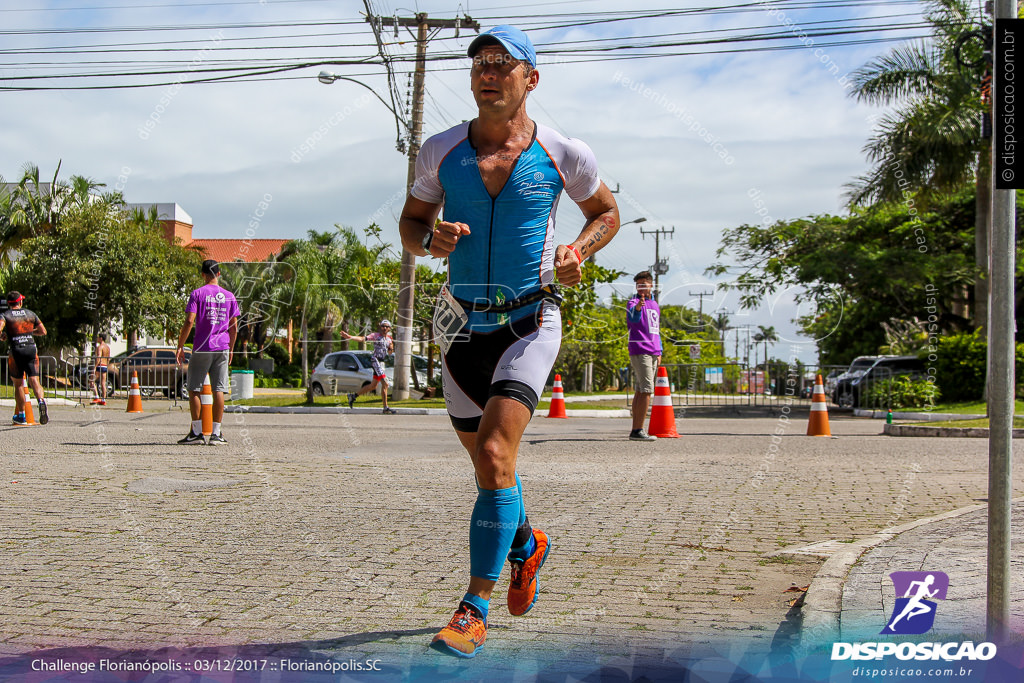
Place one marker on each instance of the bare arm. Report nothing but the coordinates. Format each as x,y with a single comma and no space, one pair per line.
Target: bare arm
602,222
39,330
232,333
419,218
190,319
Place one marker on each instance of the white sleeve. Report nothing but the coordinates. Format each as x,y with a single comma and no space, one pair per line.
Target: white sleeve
427,186
580,169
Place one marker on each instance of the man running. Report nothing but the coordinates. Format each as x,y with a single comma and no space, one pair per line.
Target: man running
214,312
499,177
20,325
101,355
383,345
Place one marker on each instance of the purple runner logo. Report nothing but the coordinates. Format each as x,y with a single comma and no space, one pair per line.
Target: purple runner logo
914,612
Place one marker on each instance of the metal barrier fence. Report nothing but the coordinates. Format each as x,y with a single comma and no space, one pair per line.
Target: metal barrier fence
736,385
871,391
51,377
73,377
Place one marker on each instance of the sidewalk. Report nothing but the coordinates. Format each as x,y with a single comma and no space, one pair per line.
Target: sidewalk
852,595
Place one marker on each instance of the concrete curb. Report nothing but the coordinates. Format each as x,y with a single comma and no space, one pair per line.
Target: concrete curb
961,432
823,602
9,402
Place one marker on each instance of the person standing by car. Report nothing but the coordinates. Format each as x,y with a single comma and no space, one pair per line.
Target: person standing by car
214,312
101,355
19,325
383,346
643,318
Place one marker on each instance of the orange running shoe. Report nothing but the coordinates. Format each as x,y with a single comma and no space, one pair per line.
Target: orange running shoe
464,635
522,588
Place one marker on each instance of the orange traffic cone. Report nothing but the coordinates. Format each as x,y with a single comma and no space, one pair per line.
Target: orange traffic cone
206,410
817,425
557,408
134,395
663,418
30,418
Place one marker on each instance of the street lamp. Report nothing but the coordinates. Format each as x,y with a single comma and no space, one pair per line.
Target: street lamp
407,274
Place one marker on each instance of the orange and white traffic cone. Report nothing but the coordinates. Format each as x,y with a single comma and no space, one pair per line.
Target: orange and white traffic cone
206,410
134,395
663,417
817,425
557,408
30,418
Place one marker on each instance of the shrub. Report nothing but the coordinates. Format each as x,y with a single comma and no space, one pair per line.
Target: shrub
279,353
902,392
960,366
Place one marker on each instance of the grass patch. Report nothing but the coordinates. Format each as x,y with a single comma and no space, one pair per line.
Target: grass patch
971,408
1018,423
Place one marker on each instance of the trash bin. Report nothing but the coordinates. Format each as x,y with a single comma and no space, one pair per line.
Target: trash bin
241,384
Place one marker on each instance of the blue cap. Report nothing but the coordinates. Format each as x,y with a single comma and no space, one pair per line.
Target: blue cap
510,38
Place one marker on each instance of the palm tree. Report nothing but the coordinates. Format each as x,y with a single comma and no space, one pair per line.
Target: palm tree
721,323
32,208
931,142
768,335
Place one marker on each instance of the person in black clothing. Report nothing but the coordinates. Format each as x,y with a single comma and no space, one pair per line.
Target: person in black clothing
19,326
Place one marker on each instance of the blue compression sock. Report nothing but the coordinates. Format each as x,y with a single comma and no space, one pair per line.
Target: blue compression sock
492,527
522,501
521,552
478,602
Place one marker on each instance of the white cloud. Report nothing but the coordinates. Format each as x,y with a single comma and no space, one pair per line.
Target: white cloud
790,127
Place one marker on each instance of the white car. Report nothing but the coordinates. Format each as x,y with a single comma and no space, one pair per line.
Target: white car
344,371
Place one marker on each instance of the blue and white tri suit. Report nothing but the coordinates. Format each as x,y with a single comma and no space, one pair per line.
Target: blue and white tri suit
509,254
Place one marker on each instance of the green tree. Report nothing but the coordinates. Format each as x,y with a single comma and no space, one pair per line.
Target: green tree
335,279
859,270
97,268
31,208
591,333
931,143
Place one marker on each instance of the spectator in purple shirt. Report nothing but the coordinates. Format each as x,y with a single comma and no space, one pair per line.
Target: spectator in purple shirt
214,312
643,318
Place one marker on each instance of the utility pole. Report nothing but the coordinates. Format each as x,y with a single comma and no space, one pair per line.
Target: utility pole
660,267
1007,32
407,278
700,305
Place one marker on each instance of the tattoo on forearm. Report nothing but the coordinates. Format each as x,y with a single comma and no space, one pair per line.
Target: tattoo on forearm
600,232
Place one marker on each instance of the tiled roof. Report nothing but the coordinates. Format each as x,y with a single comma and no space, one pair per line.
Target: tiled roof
250,251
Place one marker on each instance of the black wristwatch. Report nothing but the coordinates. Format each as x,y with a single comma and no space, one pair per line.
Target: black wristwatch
428,240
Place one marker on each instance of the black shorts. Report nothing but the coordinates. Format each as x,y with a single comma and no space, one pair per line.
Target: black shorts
513,362
22,363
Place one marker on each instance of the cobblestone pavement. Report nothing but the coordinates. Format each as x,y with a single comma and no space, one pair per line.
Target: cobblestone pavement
349,533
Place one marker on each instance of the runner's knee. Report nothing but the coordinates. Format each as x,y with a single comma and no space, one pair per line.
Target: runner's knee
494,465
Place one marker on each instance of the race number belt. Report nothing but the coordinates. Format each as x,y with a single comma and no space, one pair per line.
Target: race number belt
547,292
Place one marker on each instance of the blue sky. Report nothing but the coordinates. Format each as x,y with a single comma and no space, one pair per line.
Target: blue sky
787,123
